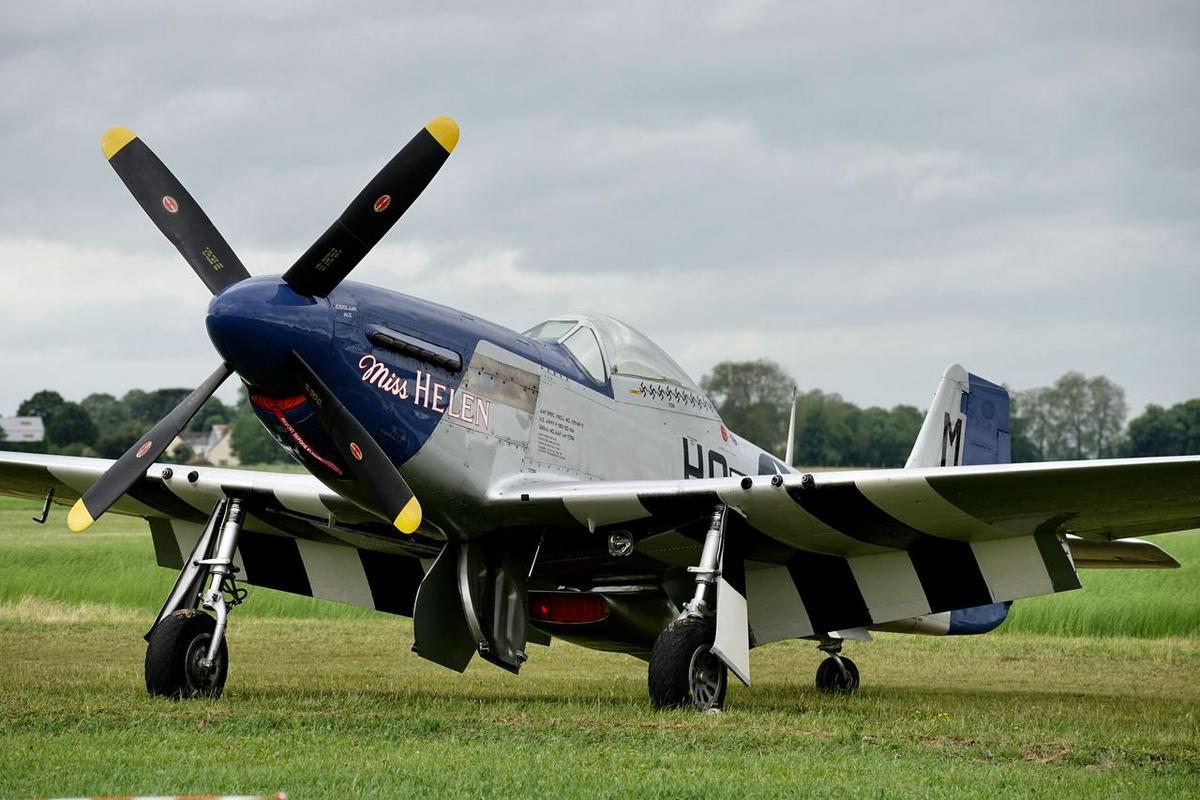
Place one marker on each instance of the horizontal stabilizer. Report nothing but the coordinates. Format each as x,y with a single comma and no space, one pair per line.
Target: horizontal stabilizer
1119,554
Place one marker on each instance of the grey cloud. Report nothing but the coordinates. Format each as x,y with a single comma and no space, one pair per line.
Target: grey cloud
862,192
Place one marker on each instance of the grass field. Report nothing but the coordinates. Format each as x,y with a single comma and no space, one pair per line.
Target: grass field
326,700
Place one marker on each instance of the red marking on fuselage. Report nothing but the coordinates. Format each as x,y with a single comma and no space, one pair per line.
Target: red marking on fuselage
277,403
278,406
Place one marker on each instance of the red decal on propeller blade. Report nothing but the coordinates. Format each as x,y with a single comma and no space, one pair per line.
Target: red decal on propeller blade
169,204
356,451
145,448
382,203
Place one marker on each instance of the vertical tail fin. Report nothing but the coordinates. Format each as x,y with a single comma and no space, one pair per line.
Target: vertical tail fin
967,423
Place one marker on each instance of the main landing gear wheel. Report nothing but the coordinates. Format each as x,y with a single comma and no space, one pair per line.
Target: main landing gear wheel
683,669
837,675
177,647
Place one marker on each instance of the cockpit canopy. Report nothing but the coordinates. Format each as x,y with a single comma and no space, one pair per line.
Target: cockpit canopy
605,346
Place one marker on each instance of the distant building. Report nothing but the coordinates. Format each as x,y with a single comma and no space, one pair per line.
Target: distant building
220,448
213,446
22,429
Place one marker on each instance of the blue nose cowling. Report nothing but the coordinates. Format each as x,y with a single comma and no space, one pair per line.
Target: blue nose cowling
256,323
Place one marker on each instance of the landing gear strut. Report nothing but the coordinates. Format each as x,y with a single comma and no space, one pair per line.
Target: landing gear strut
683,669
837,673
187,655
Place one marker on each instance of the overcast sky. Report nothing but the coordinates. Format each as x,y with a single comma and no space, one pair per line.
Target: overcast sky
863,193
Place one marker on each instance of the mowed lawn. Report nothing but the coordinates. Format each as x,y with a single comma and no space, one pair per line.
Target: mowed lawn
325,700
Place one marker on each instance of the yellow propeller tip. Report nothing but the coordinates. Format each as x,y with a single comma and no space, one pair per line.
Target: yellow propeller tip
79,520
114,139
445,130
409,517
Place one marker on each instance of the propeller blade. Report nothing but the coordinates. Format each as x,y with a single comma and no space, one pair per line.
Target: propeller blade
369,464
377,207
172,209
132,464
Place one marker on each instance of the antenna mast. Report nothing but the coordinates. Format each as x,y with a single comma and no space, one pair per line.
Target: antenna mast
787,457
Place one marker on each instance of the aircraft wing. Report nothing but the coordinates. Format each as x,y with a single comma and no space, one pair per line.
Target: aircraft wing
871,546
859,511
298,535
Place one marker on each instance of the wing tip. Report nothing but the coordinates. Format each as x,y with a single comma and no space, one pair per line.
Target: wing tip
445,131
114,139
79,519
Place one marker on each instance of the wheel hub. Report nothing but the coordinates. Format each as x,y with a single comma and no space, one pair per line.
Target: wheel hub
200,678
705,678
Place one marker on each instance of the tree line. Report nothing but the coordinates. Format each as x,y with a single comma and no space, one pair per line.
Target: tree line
106,426
1074,418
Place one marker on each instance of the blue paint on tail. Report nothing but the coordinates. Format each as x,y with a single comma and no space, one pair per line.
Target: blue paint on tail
986,441
986,435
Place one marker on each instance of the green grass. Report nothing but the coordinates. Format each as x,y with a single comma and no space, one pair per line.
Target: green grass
325,700
1145,603
113,563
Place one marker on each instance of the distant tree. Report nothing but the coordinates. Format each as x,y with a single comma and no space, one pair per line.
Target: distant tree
181,453
1188,414
1166,432
906,424
106,411
1076,418
753,399
867,437
69,424
149,407
135,402
1069,408
1107,411
251,442
213,412
43,404
825,427
112,443
1029,424
883,438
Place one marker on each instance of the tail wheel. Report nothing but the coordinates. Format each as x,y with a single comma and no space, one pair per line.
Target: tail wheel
683,669
831,679
177,647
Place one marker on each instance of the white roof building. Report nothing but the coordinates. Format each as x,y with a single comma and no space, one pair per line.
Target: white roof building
22,429
212,446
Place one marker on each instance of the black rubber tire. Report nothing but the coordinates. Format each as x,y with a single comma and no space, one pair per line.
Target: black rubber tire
830,679
172,654
671,667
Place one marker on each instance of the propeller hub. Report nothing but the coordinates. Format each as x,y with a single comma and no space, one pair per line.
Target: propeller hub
255,324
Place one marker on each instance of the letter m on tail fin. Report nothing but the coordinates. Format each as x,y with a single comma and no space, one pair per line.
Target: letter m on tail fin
967,423
951,441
